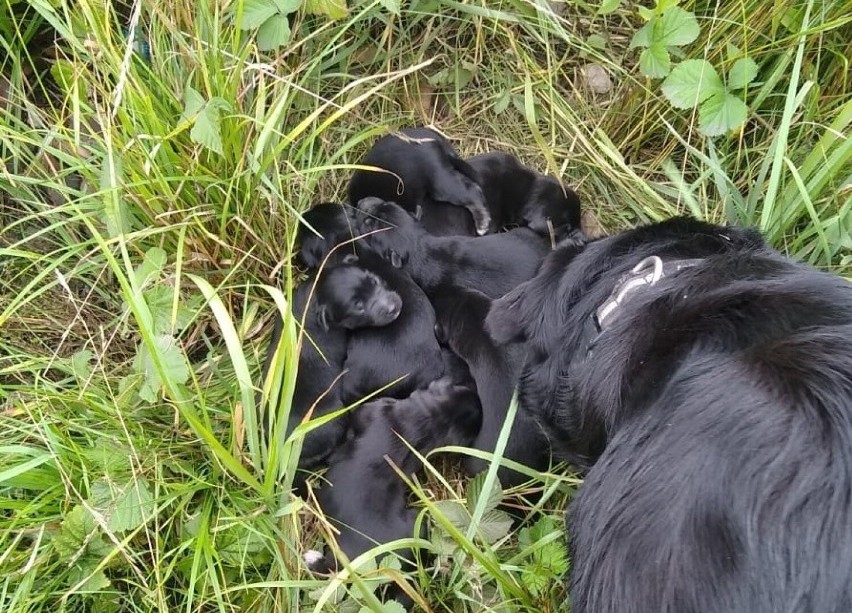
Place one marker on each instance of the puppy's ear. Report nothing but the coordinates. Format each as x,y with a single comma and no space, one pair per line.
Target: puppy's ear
396,260
504,320
322,317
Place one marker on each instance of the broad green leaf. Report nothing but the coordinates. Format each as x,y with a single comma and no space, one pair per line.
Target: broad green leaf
81,364
742,73
645,13
608,6
474,490
655,61
256,12
392,6
80,535
502,102
126,506
62,72
455,513
643,36
93,583
721,113
335,9
151,267
207,130
676,27
159,300
192,103
273,33
596,41
692,82
285,7
663,5
173,360
494,526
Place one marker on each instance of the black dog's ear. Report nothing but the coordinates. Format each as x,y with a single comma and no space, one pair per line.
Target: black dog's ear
322,317
396,260
504,320
350,258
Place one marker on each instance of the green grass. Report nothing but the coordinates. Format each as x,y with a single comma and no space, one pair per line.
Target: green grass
139,269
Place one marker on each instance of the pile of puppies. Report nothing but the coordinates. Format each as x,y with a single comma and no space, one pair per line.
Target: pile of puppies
701,380
400,309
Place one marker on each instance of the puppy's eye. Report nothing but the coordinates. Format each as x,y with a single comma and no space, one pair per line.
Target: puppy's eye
358,306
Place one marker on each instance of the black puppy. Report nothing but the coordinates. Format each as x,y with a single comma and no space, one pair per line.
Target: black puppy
492,264
406,348
364,497
461,315
334,225
347,297
706,380
519,196
429,179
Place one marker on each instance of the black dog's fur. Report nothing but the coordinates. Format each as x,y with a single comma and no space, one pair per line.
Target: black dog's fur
364,497
431,180
461,314
328,318
377,356
492,264
715,413
519,196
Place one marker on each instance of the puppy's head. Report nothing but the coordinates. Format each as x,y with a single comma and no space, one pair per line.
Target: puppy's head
551,208
351,297
390,229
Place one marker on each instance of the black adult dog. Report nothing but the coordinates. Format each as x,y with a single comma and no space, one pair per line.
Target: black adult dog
346,298
519,196
492,264
426,177
461,315
706,380
364,497
404,350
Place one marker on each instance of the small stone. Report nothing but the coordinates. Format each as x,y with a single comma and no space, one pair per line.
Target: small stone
596,78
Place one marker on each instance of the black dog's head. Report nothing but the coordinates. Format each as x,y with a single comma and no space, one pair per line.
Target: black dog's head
550,207
554,315
351,297
391,231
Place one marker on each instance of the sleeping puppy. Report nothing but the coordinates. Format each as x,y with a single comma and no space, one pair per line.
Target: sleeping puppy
461,315
705,382
519,196
364,497
492,264
330,224
347,298
406,348
428,178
